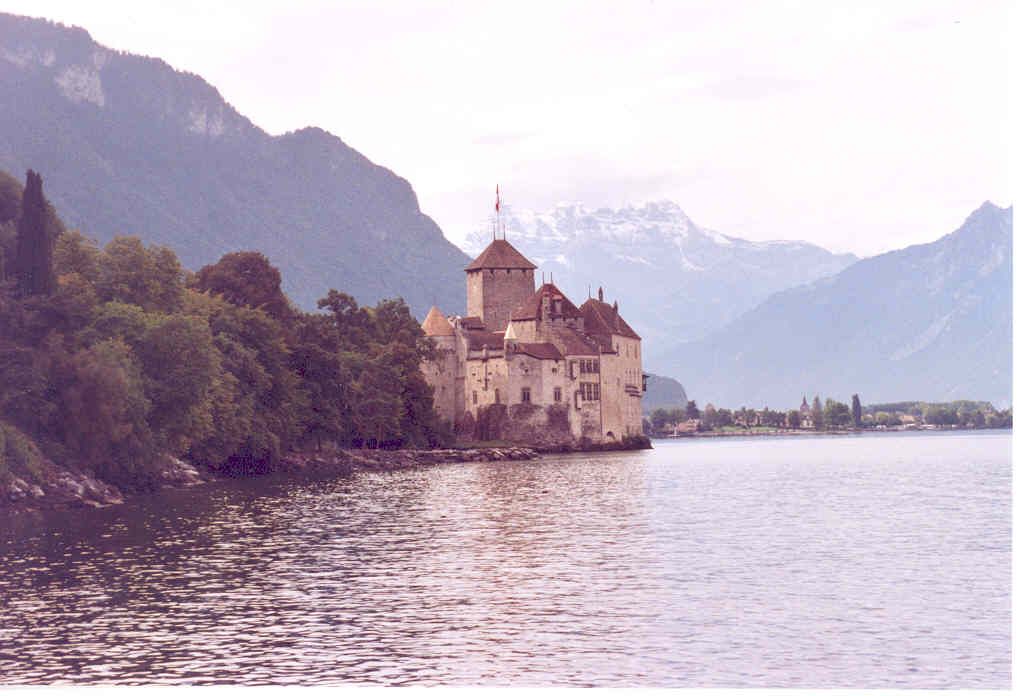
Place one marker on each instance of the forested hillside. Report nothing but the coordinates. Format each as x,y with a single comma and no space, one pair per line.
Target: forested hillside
129,145
114,357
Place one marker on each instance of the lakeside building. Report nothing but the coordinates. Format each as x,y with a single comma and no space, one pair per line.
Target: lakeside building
527,365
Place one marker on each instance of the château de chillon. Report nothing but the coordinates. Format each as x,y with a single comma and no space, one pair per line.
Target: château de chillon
526,365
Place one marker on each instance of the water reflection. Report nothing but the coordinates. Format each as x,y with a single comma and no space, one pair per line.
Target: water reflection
869,562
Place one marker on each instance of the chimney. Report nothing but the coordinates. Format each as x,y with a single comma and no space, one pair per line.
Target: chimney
616,306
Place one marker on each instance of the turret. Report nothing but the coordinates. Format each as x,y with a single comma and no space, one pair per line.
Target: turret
498,281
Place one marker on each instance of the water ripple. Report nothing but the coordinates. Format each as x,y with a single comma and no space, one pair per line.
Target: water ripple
862,562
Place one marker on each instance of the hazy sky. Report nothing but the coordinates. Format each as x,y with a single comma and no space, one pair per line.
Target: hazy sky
858,126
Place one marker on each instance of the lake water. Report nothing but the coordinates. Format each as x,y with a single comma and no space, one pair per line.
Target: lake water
866,561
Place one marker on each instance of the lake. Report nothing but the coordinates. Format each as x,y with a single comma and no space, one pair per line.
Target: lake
858,561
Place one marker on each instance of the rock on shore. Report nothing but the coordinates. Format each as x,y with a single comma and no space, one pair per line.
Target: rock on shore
49,485
393,460
52,486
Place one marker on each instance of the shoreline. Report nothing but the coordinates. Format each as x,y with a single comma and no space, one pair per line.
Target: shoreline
69,489
65,488
822,433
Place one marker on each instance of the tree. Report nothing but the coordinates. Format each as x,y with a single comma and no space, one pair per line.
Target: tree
836,414
817,414
246,278
103,414
658,419
180,365
710,417
724,417
691,410
151,278
856,410
76,253
33,263
794,419
352,321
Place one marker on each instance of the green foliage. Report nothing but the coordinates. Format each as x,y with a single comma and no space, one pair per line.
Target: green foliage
246,278
150,278
794,419
691,410
37,231
856,410
103,414
836,414
76,253
121,363
818,420
19,456
179,363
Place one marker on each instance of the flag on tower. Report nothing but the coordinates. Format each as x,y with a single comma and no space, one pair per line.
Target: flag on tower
497,199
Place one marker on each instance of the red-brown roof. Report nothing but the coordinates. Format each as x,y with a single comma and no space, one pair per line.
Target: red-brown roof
532,308
540,351
436,324
602,318
478,340
499,254
571,342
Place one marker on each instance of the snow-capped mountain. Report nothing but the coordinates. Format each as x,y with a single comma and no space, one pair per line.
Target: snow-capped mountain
931,322
675,281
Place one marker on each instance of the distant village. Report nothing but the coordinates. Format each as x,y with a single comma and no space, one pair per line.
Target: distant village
828,416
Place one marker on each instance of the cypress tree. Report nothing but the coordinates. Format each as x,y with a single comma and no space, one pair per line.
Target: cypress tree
856,410
33,260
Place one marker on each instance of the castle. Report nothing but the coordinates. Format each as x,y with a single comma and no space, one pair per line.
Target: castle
527,365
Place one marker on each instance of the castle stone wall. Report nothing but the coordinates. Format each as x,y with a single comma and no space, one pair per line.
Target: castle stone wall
492,294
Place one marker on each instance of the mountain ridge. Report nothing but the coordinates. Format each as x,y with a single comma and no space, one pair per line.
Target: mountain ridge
931,321
128,144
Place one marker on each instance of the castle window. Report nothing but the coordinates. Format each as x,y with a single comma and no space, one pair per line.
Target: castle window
525,395
590,391
557,395
497,396
474,398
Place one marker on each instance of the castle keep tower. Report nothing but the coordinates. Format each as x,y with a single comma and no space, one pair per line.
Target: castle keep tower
498,281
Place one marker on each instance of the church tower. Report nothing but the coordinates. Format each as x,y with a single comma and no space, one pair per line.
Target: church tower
498,281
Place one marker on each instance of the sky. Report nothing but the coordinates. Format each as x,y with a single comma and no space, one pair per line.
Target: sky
858,126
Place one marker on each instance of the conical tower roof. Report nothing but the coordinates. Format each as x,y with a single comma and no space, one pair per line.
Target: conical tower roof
500,254
437,324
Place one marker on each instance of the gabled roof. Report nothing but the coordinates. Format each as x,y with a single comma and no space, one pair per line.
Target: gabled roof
500,254
533,306
571,342
602,318
540,351
437,324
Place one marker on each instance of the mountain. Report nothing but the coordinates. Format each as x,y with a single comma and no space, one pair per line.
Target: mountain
128,145
675,281
932,322
663,392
